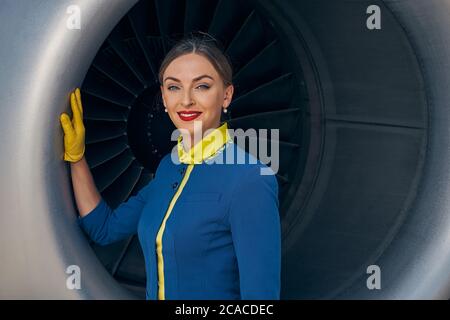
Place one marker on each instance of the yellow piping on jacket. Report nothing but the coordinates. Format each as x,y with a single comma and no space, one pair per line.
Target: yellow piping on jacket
213,143
161,291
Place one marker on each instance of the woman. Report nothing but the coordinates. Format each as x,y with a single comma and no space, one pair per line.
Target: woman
208,230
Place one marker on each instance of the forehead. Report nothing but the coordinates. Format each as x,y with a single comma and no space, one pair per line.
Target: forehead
189,66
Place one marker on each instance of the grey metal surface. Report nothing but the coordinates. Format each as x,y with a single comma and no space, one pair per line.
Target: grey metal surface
374,127
416,265
381,194
41,62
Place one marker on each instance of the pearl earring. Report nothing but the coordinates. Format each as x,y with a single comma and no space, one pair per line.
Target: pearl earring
165,109
225,110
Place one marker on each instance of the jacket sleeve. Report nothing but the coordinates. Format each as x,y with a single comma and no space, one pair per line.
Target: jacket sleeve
256,232
105,225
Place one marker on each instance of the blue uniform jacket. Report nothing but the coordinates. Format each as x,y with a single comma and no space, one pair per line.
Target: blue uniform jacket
208,230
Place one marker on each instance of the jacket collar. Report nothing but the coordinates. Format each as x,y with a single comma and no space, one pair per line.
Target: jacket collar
210,145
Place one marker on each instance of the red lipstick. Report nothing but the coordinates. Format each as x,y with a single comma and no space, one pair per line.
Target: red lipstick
189,115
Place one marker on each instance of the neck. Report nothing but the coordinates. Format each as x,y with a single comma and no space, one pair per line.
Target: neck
191,139
206,146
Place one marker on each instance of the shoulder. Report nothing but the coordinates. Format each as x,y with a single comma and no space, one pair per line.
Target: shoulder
252,174
166,159
164,164
253,167
254,193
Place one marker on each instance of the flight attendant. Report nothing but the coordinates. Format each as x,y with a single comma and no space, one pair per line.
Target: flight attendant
209,227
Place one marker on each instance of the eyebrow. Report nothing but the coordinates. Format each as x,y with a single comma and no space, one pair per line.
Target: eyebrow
195,79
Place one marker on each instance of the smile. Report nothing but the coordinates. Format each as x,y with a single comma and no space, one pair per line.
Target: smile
189,116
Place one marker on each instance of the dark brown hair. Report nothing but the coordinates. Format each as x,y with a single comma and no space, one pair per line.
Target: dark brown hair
202,44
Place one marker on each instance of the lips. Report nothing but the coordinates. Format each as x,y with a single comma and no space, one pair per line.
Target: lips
189,115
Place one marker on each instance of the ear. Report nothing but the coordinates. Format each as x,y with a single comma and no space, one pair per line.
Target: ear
228,95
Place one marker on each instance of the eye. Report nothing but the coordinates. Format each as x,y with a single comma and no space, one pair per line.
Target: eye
170,88
203,86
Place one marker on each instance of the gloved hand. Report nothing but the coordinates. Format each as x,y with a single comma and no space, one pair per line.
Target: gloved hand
74,131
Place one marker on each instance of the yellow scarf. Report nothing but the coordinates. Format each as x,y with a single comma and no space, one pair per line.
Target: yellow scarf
210,145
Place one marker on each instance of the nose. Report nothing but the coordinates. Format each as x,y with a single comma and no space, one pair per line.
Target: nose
187,99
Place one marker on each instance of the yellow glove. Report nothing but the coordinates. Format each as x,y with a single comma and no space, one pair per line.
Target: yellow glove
74,132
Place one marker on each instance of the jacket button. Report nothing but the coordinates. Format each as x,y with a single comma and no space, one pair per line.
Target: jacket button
175,185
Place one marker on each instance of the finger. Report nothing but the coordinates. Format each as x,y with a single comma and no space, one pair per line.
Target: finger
78,96
77,119
66,124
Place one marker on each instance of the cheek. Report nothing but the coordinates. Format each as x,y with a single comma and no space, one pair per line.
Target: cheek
170,99
211,100
213,114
